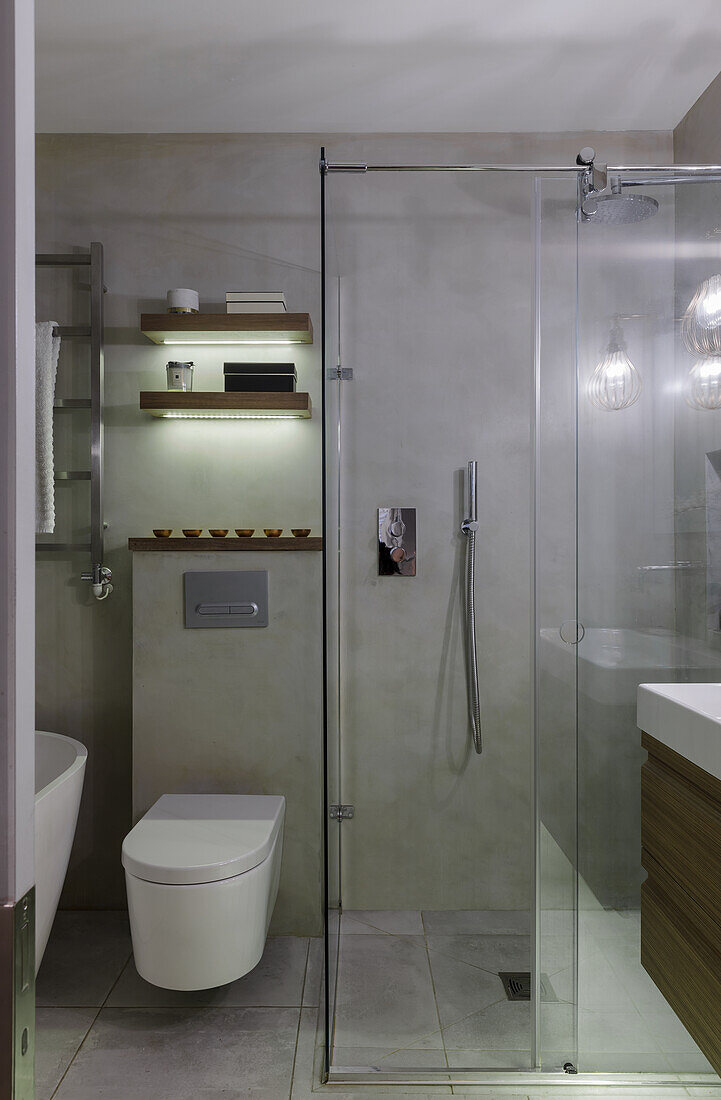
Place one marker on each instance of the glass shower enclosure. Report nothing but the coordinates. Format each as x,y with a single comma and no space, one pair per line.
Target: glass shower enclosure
483,909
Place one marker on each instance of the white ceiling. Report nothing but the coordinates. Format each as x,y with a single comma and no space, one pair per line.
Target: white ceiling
333,66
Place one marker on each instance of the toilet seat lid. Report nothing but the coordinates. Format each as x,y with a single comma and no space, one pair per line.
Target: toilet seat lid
194,838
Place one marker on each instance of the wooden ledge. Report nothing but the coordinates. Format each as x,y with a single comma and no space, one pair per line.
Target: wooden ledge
229,543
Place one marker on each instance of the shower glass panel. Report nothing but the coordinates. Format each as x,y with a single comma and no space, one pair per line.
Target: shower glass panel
648,594
466,315
434,871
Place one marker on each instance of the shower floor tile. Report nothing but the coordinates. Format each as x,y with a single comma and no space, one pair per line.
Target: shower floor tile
447,979
384,993
469,922
397,922
491,953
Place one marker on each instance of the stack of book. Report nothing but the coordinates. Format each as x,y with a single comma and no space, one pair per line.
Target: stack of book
256,301
259,377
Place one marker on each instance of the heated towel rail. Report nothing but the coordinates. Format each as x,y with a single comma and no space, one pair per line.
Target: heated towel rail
99,574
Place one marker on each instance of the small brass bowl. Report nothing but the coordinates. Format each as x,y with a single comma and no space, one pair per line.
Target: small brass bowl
192,532
244,532
273,532
218,532
300,532
162,532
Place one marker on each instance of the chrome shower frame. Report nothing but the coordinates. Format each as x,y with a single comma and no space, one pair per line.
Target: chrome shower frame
592,179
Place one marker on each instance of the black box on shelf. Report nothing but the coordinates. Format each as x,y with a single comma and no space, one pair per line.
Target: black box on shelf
259,377
259,383
259,368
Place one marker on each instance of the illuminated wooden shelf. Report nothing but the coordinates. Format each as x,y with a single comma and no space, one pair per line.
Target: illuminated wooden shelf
216,404
227,328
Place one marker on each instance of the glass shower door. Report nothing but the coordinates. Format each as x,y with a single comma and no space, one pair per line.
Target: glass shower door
445,962
555,629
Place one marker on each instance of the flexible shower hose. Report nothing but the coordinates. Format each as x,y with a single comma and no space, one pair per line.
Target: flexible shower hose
474,702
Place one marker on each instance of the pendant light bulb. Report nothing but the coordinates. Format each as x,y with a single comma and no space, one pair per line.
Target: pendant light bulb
704,388
701,327
615,384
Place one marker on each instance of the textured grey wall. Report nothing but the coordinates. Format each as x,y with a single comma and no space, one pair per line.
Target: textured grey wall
236,711
218,212
697,138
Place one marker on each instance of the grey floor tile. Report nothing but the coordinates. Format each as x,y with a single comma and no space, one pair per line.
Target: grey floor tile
489,1059
492,1092
314,972
669,1032
58,1034
462,989
556,953
377,1058
599,988
385,994
452,922
623,1062
492,953
616,1032
181,1054
397,922
650,1092
84,957
505,1025
276,981
688,1062
625,961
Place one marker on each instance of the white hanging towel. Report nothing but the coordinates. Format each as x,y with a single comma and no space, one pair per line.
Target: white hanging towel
47,349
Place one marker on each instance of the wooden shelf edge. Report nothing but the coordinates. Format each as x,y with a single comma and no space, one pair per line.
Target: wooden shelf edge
217,403
230,543
281,328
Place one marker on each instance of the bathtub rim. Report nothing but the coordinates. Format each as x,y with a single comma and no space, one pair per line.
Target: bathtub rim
81,755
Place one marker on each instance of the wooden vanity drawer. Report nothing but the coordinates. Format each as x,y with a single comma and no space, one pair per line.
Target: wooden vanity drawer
681,829
681,899
684,967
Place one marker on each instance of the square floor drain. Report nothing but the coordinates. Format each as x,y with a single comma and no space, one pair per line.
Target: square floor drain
517,985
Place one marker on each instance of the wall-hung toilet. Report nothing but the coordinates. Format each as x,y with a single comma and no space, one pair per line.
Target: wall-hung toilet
202,874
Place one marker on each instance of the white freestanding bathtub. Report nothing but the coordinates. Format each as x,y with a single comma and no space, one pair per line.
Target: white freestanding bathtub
59,774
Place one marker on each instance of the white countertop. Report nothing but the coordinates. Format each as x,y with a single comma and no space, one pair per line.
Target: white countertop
686,718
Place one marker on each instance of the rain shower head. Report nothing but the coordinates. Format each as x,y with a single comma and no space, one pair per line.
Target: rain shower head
618,208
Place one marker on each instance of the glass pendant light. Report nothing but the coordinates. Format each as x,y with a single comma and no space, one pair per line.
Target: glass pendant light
615,384
704,383
701,325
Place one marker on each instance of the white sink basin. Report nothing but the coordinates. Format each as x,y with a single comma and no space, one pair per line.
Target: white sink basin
687,718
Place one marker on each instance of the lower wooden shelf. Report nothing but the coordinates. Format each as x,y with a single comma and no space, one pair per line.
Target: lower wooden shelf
217,405
230,543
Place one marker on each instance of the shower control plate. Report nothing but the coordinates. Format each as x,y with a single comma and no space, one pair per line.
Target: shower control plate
397,542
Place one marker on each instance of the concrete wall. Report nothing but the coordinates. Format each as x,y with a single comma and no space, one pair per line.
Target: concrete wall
437,295
697,138
235,711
